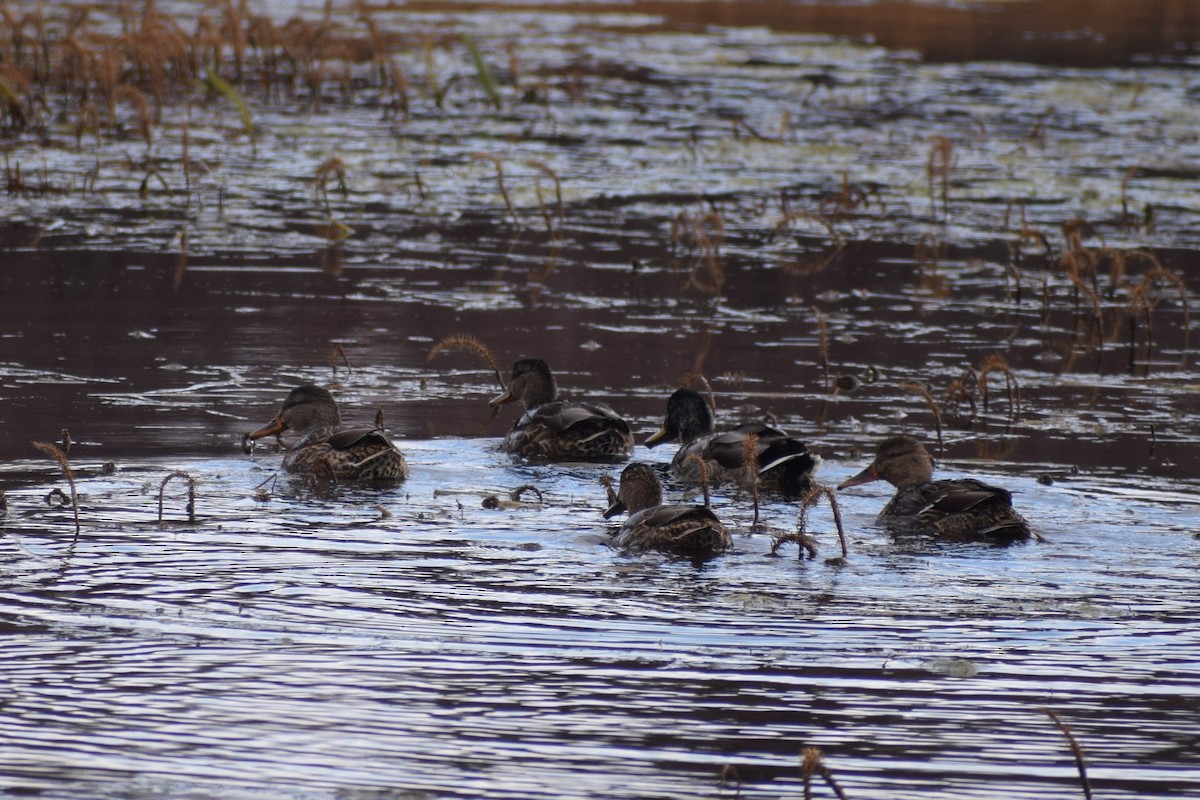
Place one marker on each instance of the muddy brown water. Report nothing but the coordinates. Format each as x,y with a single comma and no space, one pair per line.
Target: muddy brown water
408,642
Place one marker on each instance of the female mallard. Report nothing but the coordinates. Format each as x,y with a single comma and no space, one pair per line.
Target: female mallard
962,509
687,530
324,450
783,461
557,430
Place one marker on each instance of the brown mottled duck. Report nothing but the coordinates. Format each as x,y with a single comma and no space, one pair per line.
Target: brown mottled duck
684,529
325,449
962,509
560,430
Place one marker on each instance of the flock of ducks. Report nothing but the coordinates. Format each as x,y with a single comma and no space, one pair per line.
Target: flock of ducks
551,429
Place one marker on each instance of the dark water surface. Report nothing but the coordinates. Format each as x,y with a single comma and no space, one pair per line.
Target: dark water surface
749,200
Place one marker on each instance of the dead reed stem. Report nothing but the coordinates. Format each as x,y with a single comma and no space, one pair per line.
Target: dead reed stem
810,500
822,344
191,503
495,161
702,470
919,389
59,456
1076,750
465,341
941,162
339,351
812,763
750,469
996,363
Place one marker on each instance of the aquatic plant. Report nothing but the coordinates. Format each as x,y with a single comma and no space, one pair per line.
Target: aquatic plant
1076,751
499,165
482,73
813,763
465,341
60,458
191,503
996,363
938,167
922,391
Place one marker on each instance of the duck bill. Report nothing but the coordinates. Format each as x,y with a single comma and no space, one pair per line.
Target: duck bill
276,426
504,397
866,476
655,438
616,508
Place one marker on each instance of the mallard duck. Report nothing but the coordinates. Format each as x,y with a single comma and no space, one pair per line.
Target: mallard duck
962,509
326,449
784,462
557,430
688,530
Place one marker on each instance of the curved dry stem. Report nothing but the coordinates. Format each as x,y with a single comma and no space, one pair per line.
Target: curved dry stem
702,469
495,160
58,455
812,763
810,500
1076,750
191,503
822,344
338,350
516,493
996,363
465,341
750,469
919,389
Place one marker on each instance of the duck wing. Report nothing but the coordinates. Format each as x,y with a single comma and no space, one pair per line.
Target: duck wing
964,508
690,530
782,459
346,438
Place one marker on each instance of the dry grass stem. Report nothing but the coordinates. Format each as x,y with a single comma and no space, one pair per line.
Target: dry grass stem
1076,750
938,168
749,476
919,389
191,503
822,344
810,500
495,161
812,763
339,352
702,470
59,456
996,363
465,341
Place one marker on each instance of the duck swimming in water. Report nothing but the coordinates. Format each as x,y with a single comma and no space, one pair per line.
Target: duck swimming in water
684,529
327,449
558,430
784,462
961,510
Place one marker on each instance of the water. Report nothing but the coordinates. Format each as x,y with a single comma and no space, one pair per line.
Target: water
410,643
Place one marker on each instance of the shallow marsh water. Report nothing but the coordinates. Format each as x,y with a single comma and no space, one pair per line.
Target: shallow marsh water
408,642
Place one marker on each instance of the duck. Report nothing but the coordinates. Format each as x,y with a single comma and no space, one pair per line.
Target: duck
784,462
961,509
560,430
682,529
326,449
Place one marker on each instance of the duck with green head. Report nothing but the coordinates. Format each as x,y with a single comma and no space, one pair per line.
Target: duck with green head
326,449
560,430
